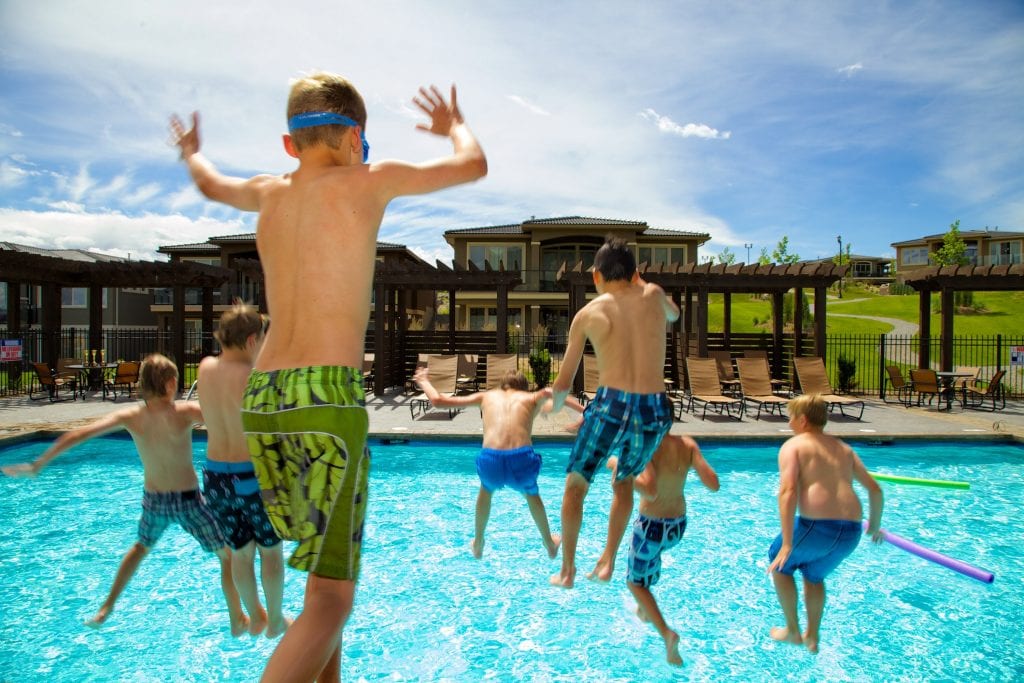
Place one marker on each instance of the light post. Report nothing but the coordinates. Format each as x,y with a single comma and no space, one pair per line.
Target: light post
839,238
748,245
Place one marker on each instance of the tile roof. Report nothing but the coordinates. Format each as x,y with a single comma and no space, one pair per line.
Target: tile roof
517,228
964,234
212,244
69,254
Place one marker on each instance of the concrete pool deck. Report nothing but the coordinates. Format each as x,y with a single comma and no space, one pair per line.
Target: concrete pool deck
21,418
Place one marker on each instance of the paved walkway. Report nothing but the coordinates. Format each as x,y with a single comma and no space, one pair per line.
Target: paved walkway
390,418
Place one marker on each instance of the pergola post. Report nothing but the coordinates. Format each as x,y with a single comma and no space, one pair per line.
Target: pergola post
178,333
452,318
798,328
383,362
727,320
687,320
502,331
948,305
207,321
702,321
819,322
778,321
51,323
95,317
13,308
924,314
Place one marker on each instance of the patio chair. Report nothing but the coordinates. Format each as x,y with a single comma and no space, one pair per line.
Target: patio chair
410,384
901,387
126,377
726,373
368,372
924,382
497,365
706,388
591,379
810,371
51,385
960,384
466,376
976,396
69,374
756,386
782,385
443,372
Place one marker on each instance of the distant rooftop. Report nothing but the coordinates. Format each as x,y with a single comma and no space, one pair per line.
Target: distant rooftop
965,235
69,254
213,244
584,221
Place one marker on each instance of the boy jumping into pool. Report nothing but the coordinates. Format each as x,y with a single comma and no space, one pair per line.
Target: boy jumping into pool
304,412
507,457
661,523
626,325
162,431
229,480
820,515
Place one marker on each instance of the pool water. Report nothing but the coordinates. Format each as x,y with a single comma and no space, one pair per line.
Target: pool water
427,611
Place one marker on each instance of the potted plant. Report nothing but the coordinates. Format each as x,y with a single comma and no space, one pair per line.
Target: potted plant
540,359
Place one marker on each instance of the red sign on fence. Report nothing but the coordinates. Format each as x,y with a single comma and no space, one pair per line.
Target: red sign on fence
10,350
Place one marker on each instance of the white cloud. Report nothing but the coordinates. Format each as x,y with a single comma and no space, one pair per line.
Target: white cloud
850,69
70,207
141,194
522,102
690,130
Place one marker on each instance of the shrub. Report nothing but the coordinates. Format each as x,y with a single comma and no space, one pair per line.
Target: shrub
847,373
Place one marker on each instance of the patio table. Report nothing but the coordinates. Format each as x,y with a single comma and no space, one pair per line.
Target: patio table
948,380
92,375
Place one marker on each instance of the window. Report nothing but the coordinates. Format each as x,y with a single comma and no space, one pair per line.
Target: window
209,261
509,254
481,318
914,256
1004,253
78,297
661,255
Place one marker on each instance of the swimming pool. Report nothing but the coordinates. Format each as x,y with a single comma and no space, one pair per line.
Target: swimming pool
427,611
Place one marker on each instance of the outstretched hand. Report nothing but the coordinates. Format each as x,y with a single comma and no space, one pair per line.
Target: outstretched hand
187,140
421,375
443,115
780,559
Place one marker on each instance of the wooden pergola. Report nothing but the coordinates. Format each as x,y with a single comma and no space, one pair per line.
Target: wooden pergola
949,279
690,286
53,274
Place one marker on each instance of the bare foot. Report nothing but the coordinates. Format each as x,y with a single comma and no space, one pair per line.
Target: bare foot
672,649
276,628
100,617
552,545
239,624
257,623
602,573
563,579
811,644
782,634
477,547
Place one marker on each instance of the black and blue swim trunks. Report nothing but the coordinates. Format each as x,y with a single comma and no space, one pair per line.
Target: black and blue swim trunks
819,545
652,537
516,468
620,420
233,495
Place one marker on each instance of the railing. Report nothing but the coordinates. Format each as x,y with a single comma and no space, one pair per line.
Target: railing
164,296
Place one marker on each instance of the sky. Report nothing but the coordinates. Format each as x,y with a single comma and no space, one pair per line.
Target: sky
875,121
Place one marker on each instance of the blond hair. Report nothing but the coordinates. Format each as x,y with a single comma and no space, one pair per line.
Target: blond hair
157,369
514,379
324,91
237,324
811,406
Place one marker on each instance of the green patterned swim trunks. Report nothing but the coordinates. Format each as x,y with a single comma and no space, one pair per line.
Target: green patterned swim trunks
306,429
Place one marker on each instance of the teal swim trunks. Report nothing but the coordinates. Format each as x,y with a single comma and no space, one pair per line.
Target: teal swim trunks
306,429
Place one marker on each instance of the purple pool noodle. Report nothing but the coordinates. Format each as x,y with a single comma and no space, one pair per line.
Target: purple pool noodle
937,558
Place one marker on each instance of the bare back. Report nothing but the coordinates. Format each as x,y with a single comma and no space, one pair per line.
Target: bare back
317,239
508,416
222,383
162,432
825,477
627,330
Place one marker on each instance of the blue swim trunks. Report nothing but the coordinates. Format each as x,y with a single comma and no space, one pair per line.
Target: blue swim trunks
516,468
651,537
819,545
634,423
233,495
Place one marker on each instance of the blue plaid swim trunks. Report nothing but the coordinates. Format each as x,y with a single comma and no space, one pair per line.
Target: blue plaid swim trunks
614,420
652,537
186,508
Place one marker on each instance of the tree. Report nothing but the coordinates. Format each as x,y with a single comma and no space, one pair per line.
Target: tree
781,253
764,259
953,251
726,256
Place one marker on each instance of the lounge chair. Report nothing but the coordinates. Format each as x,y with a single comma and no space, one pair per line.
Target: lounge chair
782,385
52,385
410,383
903,389
497,365
591,379
976,396
368,372
756,386
810,371
706,388
726,373
126,377
466,379
443,371
924,382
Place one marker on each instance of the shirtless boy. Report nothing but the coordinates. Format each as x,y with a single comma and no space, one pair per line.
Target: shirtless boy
661,524
304,411
162,431
229,480
816,473
626,325
507,457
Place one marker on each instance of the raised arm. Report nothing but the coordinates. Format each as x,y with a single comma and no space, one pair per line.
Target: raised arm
789,481
875,498
193,410
104,425
439,400
465,164
669,306
240,193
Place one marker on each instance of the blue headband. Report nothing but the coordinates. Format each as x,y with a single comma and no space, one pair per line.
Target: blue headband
326,118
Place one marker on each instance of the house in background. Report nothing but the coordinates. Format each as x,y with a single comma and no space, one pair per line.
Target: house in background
872,270
122,307
231,251
984,248
538,247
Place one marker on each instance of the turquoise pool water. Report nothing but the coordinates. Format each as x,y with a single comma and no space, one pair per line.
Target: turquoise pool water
427,611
